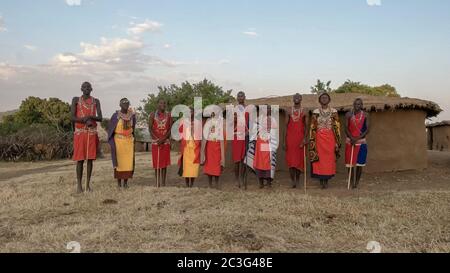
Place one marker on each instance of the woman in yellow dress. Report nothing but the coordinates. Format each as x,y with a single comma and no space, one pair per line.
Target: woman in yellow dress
121,140
189,161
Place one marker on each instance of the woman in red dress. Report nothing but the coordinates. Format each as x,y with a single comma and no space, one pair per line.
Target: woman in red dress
324,141
240,140
296,140
85,113
265,149
213,150
160,124
356,129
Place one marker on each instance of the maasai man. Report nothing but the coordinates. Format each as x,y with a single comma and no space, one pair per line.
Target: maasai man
240,140
324,140
160,124
85,113
265,148
356,129
296,140
121,139
213,150
190,150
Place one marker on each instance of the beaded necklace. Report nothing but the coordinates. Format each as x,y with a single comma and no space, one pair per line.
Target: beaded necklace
85,105
296,113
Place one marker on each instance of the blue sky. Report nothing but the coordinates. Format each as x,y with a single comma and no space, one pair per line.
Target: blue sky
128,48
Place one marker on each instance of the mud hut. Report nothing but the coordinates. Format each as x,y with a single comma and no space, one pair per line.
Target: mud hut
397,140
143,140
439,136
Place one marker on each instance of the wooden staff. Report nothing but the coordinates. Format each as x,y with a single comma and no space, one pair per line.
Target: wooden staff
87,159
351,167
304,166
158,171
157,168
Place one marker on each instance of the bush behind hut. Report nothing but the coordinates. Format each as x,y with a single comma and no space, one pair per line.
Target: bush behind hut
40,130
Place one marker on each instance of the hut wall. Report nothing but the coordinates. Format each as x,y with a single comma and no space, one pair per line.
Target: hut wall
430,138
397,141
441,138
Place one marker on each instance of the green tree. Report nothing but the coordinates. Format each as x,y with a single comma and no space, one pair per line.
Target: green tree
52,112
357,87
321,87
184,94
386,90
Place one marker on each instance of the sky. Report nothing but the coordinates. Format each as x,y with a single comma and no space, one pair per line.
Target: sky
265,48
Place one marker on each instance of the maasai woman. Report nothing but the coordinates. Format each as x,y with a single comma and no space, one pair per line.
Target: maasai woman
190,150
160,124
121,140
296,140
240,140
85,113
324,141
356,129
265,148
213,150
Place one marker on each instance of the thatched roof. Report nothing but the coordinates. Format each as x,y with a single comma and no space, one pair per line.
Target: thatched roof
344,103
437,124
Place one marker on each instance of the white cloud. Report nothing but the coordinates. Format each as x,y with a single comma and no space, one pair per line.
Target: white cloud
110,55
146,26
224,61
251,33
6,71
2,25
30,47
73,2
373,3
110,48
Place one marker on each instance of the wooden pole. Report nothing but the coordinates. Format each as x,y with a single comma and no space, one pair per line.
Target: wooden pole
87,160
304,166
158,171
351,167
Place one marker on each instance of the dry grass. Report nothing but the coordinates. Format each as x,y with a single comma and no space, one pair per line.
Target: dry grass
39,212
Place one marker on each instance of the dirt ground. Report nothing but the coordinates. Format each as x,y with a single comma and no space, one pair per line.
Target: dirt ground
40,212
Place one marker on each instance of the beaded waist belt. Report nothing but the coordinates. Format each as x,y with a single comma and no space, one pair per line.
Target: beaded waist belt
155,142
359,142
86,130
123,136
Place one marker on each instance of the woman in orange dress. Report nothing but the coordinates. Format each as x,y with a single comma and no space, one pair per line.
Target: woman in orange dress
121,139
190,151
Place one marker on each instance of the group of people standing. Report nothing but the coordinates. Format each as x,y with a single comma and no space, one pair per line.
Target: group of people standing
311,140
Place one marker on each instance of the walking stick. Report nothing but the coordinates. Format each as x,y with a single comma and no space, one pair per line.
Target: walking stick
351,167
304,166
158,171
245,164
87,158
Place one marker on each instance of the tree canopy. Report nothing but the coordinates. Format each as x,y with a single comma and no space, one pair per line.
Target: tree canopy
184,94
357,87
33,110
321,87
